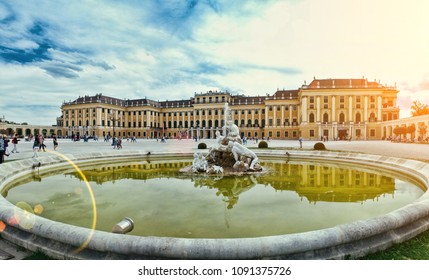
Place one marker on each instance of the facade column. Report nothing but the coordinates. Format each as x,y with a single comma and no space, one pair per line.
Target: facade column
189,121
98,114
303,109
283,115
350,108
207,117
266,116
194,119
365,109
364,131
319,124
239,118
318,109
274,116
379,106
147,119
333,118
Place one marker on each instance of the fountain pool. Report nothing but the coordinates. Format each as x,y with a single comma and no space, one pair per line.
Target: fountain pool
397,182
291,197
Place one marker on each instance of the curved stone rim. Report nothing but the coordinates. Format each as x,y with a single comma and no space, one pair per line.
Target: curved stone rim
349,240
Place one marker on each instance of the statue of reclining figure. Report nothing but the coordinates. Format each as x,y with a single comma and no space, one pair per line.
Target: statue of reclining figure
239,150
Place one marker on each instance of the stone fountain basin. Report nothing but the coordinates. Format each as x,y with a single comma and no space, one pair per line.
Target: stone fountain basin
352,240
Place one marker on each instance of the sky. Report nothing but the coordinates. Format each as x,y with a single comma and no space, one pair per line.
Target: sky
57,50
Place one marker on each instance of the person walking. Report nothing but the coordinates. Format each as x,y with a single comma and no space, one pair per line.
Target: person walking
2,149
15,141
36,146
300,142
55,141
6,145
42,143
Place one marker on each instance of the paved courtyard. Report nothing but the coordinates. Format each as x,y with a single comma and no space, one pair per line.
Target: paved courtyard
405,150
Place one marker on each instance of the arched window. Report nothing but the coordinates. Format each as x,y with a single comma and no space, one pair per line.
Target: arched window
204,123
325,117
216,122
342,118
372,117
210,123
358,117
311,118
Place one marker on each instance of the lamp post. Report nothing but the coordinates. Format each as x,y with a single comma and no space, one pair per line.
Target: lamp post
113,119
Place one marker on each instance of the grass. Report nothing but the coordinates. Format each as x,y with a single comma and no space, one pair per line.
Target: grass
38,256
416,248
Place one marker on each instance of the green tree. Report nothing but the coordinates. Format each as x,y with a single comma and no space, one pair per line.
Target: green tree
422,129
411,129
400,130
419,109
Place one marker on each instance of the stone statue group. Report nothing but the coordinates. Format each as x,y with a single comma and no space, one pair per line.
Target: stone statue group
228,154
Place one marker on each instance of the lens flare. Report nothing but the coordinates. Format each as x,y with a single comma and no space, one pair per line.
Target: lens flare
24,215
91,193
38,209
78,190
2,226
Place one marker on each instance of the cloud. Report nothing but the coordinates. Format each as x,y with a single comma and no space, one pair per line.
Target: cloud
56,50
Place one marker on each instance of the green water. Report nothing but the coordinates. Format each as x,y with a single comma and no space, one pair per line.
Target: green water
290,198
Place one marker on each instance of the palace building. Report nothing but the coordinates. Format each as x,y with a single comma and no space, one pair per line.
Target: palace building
334,108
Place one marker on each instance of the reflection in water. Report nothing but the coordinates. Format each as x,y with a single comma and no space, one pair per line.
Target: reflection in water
312,181
290,197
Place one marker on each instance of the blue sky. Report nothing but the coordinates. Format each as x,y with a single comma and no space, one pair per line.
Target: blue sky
51,51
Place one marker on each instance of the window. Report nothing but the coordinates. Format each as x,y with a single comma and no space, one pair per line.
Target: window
325,117
341,99
311,132
342,117
325,102
311,99
278,134
358,117
286,134
311,118
372,132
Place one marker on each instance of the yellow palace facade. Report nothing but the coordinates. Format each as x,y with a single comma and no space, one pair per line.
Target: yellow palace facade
330,108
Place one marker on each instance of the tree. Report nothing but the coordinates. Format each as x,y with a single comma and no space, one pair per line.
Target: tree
422,129
400,130
419,109
411,129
